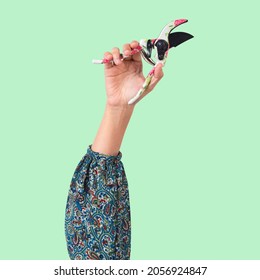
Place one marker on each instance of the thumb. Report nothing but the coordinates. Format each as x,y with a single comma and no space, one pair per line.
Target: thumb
157,76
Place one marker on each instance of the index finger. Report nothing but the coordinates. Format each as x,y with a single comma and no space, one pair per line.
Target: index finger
135,45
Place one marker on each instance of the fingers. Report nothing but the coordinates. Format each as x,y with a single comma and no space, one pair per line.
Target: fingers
108,56
127,51
113,57
137,56
158,72
130,52
157,76
151,81
116,56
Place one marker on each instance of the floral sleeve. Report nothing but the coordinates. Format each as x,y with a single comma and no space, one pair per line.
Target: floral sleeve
97,219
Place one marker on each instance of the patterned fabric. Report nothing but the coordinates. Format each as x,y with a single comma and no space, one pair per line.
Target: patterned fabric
97,219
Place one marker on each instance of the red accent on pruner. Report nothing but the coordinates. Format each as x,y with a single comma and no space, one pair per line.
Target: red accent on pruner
179,21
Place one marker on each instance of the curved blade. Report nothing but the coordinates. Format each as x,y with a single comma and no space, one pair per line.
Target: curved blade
177,38
147,58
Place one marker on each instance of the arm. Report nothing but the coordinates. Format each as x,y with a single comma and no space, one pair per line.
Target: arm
112,129
97,220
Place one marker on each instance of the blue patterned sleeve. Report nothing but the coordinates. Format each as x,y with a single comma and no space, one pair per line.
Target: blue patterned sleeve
97,218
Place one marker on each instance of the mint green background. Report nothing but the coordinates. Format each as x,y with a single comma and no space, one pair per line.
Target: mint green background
191,151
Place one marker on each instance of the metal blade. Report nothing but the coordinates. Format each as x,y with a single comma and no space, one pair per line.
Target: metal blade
177,38
147,58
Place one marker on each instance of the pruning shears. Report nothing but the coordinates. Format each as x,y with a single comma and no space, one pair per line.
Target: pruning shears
165,41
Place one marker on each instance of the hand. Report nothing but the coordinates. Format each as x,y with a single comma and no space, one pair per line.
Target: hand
124,78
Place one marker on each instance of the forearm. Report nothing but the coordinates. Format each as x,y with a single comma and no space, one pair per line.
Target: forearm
112,129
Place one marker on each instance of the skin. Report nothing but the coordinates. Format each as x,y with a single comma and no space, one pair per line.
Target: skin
123,79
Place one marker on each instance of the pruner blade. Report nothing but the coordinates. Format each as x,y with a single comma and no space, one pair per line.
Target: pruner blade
177,38
164,42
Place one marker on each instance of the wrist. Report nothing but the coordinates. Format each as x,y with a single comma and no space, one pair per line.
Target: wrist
112,129
122,111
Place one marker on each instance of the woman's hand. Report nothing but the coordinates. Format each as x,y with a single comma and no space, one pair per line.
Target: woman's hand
123,81
124,78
